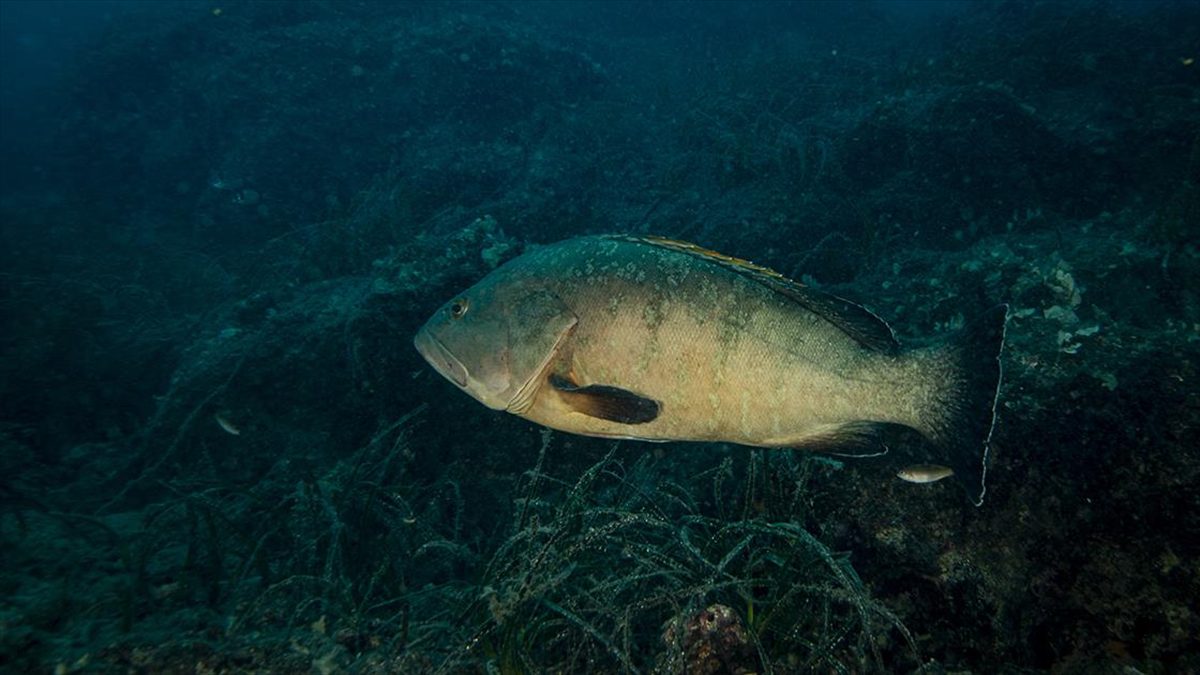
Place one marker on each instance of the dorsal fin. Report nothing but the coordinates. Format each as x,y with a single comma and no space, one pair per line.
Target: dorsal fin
852,319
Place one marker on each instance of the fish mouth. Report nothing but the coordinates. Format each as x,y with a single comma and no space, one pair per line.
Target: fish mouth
440,358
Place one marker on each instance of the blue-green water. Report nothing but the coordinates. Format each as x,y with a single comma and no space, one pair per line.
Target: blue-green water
222,223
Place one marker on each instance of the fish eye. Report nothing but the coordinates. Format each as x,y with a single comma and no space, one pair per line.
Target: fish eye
458,308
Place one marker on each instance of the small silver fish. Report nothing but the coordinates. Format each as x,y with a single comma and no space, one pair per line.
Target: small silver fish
226,425
925,473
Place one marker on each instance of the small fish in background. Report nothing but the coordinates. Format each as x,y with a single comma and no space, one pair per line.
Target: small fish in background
661,340
925,473
226,425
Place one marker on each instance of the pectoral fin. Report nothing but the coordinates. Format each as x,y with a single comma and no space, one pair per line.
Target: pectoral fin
604,402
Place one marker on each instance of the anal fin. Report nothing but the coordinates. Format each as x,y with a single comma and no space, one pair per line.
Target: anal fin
849,439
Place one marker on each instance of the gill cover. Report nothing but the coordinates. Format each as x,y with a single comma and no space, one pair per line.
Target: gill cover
538,324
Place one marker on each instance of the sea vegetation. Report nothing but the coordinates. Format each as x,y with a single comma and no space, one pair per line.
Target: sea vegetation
361,567
220,453
614,568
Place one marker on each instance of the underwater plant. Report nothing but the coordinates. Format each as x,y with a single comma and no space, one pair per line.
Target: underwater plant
607,573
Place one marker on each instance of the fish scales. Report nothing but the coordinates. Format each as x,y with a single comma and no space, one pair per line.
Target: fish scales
650,339
697,344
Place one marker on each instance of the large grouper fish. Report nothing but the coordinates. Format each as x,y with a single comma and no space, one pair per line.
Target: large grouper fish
660,340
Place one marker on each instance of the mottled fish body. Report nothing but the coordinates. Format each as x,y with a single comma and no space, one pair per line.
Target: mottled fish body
659,340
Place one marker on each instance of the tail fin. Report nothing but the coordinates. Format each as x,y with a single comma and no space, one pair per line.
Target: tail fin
970,402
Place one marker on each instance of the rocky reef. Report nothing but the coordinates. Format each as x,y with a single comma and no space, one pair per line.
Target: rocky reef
221,453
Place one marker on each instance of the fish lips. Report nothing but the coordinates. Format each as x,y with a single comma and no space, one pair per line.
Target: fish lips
440,358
